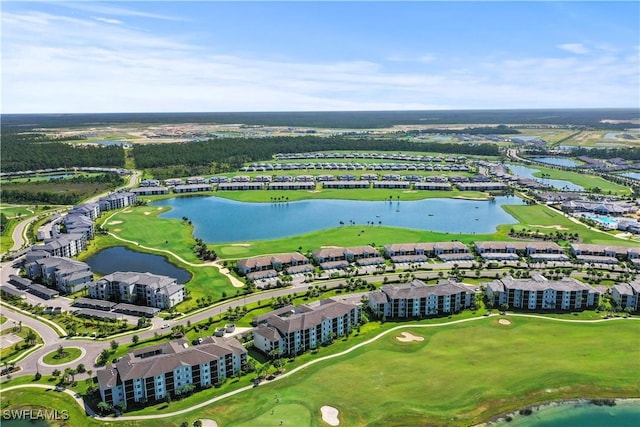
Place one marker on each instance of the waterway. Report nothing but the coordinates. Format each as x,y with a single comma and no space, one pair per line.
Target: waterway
558,161
632,175
527,172
120,258
218,220
624,414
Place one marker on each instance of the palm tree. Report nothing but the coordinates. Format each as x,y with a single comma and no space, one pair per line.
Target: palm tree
31,337
104,407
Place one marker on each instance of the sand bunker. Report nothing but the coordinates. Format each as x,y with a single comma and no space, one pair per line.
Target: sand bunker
330,415
242,244
114,222
557,227
160,208
208,423
409,337
147,213
117,230
504,322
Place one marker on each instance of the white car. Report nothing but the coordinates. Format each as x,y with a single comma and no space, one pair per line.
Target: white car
164,326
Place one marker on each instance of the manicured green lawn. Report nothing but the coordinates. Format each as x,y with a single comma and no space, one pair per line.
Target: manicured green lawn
141,224
205,279
69,355
13,351
342,236
583,180
545,220
460,374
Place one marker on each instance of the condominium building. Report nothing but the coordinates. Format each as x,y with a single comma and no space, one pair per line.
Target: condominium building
293,330
539,293
67,275
417,299
149,374
148,289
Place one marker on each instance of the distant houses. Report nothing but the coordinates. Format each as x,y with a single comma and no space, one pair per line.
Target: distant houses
272,265
421,252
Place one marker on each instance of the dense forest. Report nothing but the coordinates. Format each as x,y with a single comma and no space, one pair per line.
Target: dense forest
228,154
339,119
59,191
33,151
600,153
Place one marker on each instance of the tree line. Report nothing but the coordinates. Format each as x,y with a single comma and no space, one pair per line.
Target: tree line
35,151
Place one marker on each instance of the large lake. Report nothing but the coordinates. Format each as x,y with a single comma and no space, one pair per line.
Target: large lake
526,172
119,258
218,220
558,161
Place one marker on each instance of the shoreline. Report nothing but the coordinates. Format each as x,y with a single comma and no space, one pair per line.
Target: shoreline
526,411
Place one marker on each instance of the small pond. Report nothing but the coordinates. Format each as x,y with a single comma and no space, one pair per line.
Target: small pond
218,220
527,172
120,258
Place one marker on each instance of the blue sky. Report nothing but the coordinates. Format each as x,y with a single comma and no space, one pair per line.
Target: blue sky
76,57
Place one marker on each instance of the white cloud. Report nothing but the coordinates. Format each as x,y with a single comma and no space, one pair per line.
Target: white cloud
68,64
102,9
576,48
109,21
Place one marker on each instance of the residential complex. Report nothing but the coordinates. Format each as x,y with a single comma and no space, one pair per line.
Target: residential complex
67,275
151,373
147,289
539,293
627,295
292,330
418,300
